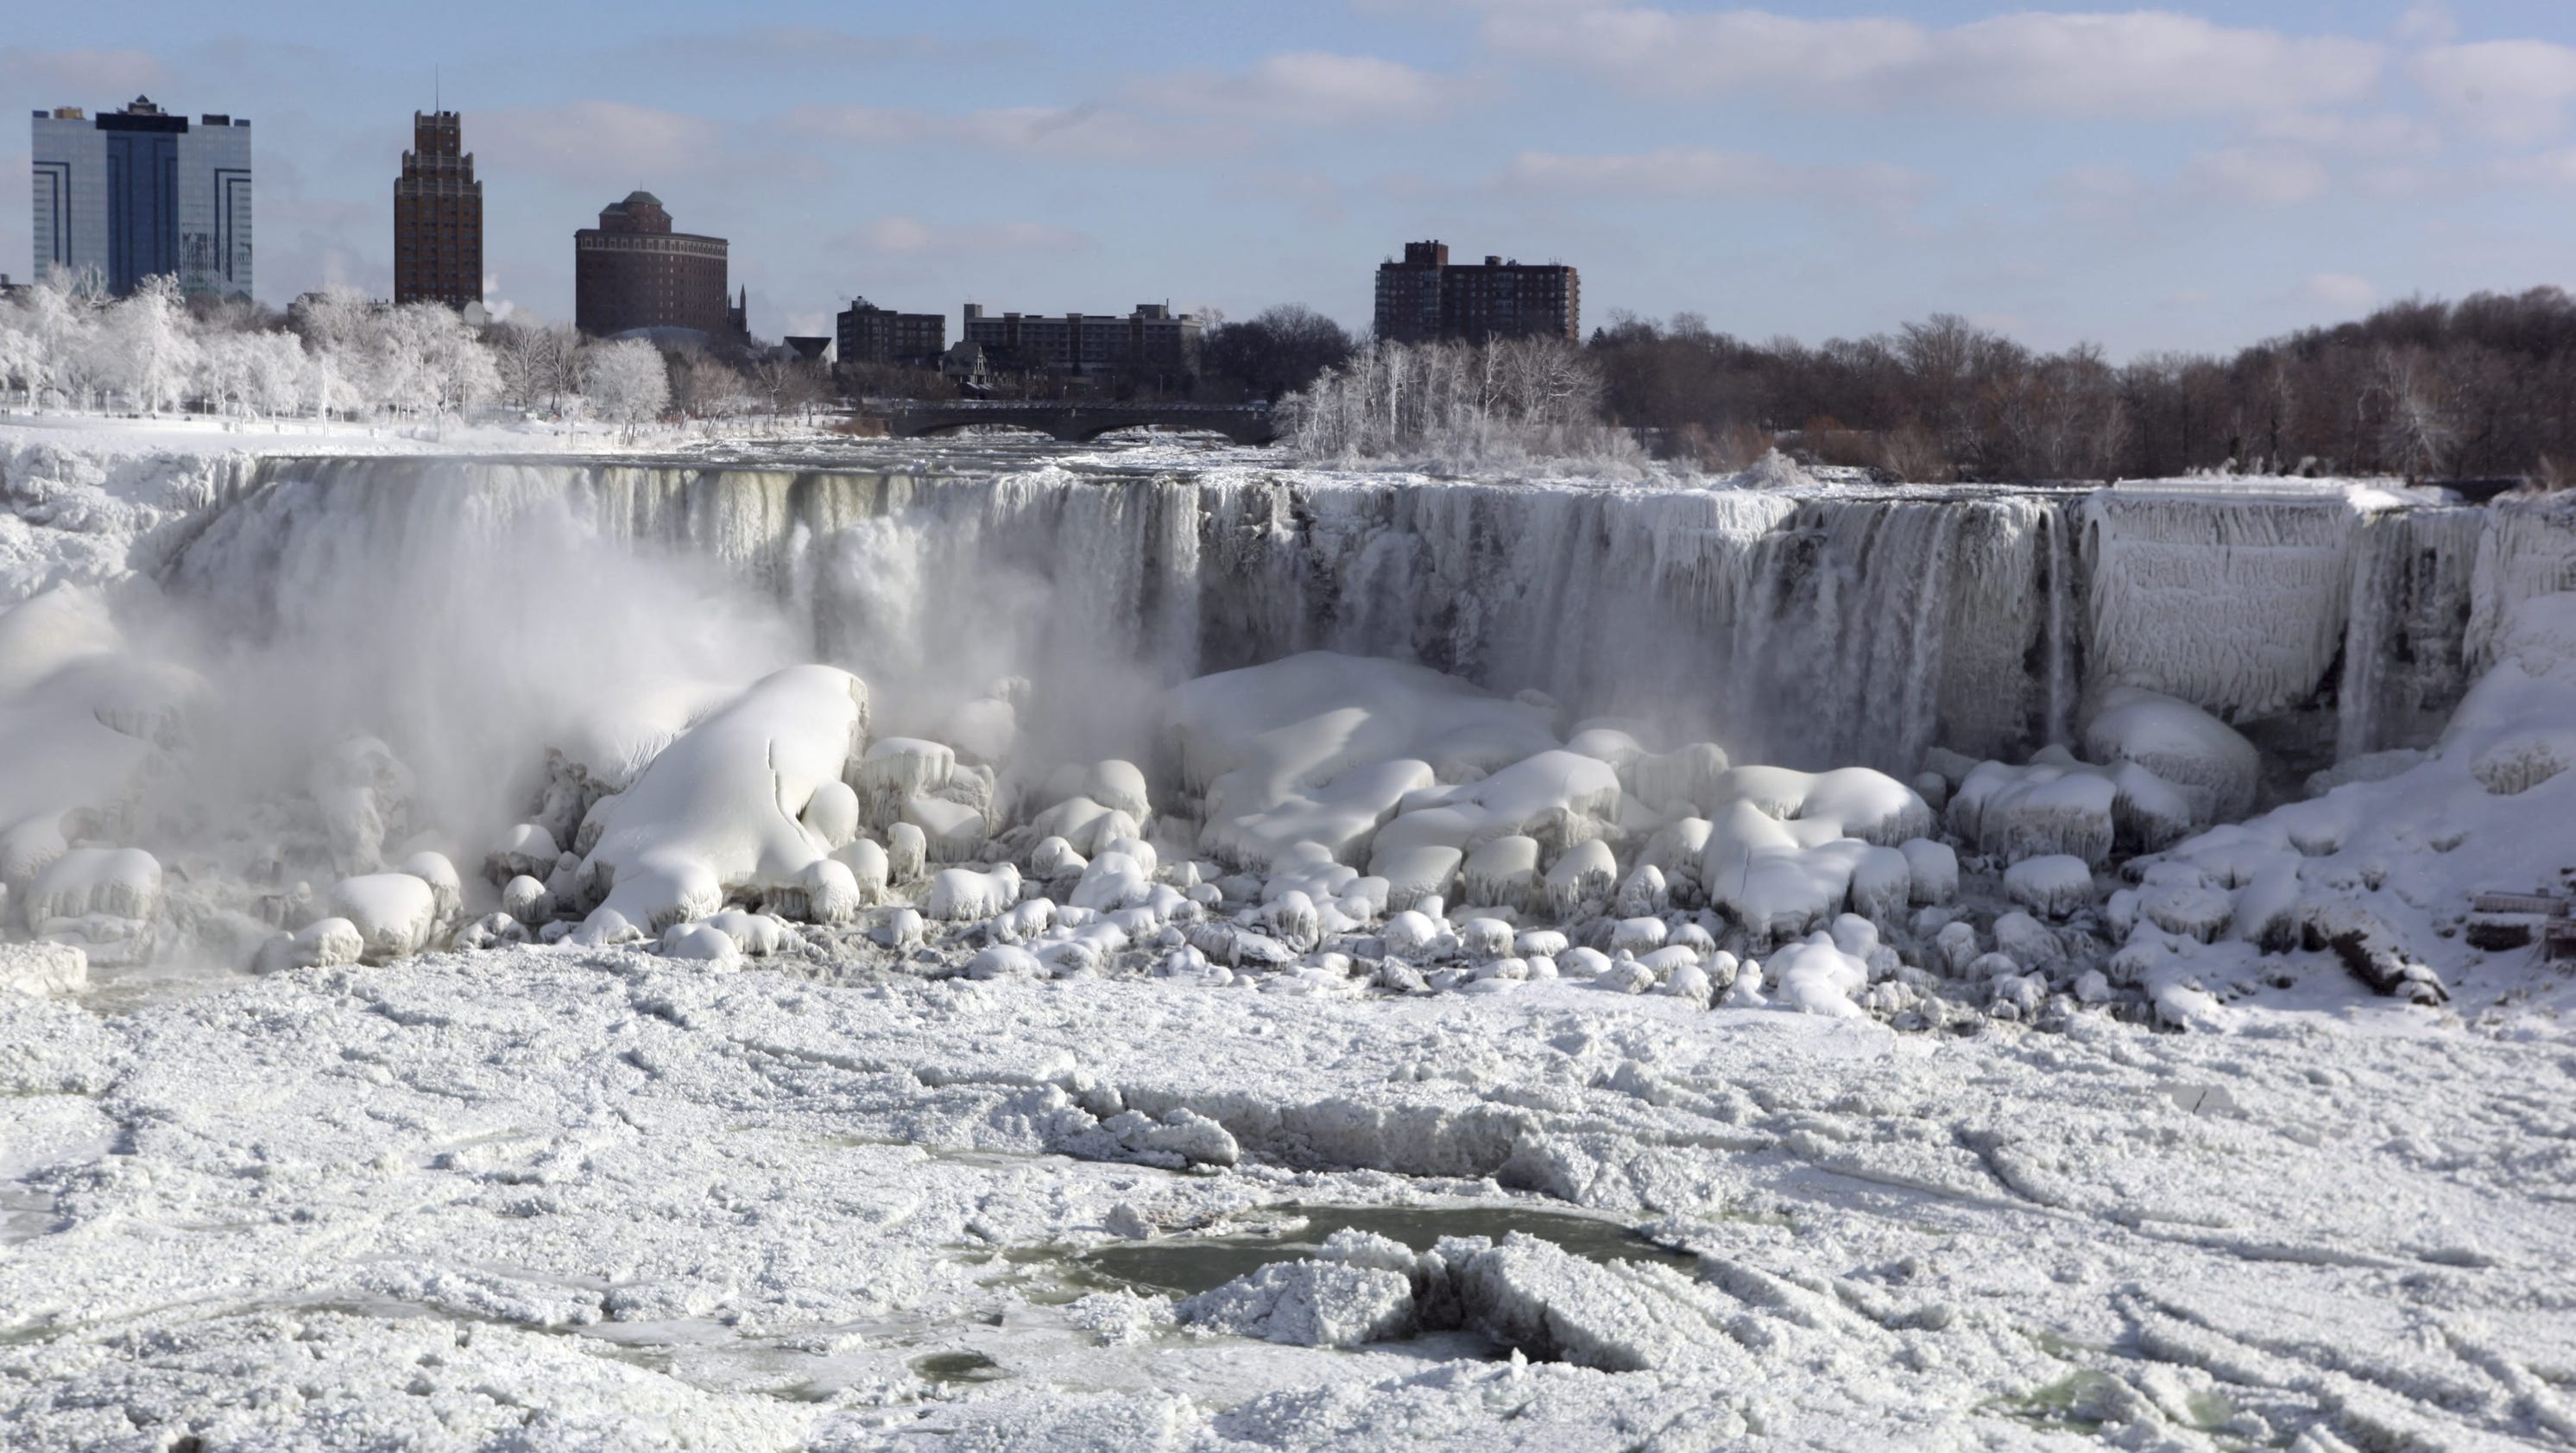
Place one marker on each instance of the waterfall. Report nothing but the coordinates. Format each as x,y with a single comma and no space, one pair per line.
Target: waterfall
1810,630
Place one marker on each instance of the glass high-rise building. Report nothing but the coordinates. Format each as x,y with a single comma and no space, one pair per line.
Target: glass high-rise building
138,192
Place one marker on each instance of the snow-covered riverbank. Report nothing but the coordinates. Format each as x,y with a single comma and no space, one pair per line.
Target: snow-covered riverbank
557,1199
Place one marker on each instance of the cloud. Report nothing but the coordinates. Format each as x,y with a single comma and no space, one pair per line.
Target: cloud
770,47
2381,134
1705,172
2511,90
605,145
1082,133
2141,63
2267,177
1304,88
2341,290
910,237
92,79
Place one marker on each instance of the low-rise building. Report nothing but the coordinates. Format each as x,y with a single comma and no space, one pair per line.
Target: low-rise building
870,334
1426,298
1151,343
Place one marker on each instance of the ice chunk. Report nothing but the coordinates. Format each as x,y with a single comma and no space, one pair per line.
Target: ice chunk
394,913
896,770
526,850
1504,872
42,969
961,895
1485,938
2217,769
527,900
699,942
1882,883
870,869
1934,870
1005,961
2035,811
1322,747
1643,895
1308,1304
2055,886
2027,941
1416,874
1812,976
1583,874
101,900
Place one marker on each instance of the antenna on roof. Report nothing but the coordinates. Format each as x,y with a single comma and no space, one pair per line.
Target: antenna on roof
437,100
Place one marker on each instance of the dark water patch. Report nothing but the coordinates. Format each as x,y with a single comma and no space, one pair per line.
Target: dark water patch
950,1368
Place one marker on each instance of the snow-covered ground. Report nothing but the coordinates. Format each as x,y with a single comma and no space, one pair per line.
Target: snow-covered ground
816,944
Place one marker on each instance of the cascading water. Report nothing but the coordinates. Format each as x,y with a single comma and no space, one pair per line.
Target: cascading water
1809,630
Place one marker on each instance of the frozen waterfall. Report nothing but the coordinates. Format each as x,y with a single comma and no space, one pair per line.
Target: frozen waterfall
1810,629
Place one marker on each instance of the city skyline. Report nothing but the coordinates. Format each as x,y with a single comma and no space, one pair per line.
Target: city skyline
2254,170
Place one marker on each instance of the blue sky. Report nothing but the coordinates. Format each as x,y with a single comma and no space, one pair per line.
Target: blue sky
2191,177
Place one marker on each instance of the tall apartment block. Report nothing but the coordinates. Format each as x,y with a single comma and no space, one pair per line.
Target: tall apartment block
633,271
870,334
140,192
438,216
1426,298
1152,342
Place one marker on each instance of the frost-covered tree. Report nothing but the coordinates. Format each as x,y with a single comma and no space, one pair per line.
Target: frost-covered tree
540,364
626,382
147,350
1506,401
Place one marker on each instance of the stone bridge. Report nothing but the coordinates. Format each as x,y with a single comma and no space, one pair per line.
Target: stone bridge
1073,421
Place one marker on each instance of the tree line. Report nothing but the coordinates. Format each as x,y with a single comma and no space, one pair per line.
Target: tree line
2481,388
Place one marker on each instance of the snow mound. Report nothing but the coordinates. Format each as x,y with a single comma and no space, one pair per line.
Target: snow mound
395,914
2217,769
717,811
1323,747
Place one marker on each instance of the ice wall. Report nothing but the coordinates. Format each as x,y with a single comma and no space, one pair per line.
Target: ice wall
1813,629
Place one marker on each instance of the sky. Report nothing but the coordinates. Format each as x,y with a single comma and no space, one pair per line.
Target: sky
2196,177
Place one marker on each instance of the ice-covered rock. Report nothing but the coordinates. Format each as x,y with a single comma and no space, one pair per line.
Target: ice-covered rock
1005,961
527,850
699,943
101,900
1813,976
1323,747
2216,768
395,914
2056,886
1933,868
961,895
832,814
1416,874
907,853
1583,874
871,869
715,812
1503,872
2028,942
527,900
2035,811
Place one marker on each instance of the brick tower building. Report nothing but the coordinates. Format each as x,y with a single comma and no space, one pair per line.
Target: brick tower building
438,217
